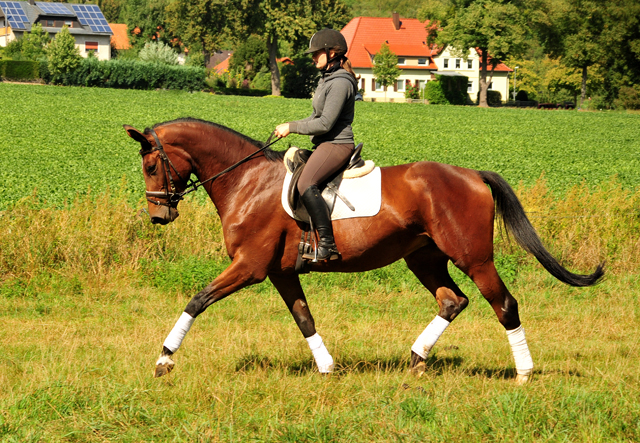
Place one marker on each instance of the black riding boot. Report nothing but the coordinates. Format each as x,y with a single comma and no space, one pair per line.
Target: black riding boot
319,213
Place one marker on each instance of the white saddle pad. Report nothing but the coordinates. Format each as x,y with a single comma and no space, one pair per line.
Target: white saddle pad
364,193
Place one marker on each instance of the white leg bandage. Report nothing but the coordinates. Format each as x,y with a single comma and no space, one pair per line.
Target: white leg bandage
174,340
524,362
320,354
430,336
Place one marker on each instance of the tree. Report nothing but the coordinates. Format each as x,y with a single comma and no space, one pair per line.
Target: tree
385,68
158,52
497,28
145,21
250,56
295,21
301,78
63,55
198,24
34,43
574,33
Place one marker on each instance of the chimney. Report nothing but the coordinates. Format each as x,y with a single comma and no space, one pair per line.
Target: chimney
32,2
396,20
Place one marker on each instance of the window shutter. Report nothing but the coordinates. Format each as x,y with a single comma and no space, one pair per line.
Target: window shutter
373,84
362,84
91,46
395,86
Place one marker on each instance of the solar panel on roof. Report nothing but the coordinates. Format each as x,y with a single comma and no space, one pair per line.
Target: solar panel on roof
16,16
53,8
90,15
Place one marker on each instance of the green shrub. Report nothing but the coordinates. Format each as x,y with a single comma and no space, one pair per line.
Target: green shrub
131,74
412,92
434,94
158,52
19,69
300,79
494,98
522,96
628,97
63,55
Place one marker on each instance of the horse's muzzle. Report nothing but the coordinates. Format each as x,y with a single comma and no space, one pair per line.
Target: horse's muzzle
163,215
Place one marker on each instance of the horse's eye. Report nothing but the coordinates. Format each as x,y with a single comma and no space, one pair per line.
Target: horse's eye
151,169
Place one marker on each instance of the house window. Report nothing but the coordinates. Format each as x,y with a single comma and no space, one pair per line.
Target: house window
48,23
457,63
422,61
91,46
362,84
470,87
421,84
379,86
68,23
469,64
445,62
402,61
400,87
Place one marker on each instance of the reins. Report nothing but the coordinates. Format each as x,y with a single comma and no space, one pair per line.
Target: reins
172,197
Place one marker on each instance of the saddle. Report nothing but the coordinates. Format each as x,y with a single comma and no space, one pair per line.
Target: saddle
330,190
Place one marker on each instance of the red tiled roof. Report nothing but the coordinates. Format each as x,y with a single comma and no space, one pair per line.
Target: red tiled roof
120,37
365,36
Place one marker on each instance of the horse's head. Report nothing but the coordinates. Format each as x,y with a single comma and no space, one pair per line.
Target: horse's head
165,177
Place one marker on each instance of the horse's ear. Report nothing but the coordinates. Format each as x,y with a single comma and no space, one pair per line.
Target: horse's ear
138,136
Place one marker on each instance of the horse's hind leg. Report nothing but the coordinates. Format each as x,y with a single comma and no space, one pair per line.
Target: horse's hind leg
505,306
430,266
291,292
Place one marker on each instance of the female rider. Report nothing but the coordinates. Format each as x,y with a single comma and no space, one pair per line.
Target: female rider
330,129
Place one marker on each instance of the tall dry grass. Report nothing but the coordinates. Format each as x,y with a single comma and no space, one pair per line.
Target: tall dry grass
104,236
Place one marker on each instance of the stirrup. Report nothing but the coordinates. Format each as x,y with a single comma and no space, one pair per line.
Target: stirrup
322,253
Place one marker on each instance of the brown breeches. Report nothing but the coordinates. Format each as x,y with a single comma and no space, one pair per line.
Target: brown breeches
326,159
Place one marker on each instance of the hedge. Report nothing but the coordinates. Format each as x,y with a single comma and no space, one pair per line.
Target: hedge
132,74
447,90
19,70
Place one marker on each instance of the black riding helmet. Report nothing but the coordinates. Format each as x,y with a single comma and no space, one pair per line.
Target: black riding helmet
327,39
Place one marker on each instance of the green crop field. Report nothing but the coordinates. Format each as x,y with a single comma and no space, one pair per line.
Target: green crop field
89,289
65,141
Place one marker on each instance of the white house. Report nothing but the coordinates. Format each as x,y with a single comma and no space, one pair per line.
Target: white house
86,24
418,62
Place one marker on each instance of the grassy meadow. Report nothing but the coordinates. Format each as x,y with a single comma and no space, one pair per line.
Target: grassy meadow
89,289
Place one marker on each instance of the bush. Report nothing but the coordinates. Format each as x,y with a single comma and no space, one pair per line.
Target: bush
131,74
19,69
494,98
300,79
628,97
412,92
522,96
434,94
454,89
63,56
158,52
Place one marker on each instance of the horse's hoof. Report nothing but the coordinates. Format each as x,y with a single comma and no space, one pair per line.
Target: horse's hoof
164,365
521,379
326,369
419,369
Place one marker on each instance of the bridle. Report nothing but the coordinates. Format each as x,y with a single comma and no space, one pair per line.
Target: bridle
170,194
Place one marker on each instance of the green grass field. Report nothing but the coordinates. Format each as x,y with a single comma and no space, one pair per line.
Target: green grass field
89,289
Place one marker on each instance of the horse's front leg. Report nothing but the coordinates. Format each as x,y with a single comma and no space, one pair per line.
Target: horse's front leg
237,276
291,291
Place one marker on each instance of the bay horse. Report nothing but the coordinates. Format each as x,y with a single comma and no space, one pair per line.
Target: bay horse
430,214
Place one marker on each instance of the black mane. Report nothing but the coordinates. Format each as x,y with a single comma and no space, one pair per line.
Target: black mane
270,154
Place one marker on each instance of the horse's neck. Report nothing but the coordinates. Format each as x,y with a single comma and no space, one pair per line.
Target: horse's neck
213,150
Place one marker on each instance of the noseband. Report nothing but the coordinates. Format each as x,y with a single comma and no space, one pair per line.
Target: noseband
170,194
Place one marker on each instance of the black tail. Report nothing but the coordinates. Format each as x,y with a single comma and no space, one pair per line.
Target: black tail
509,208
